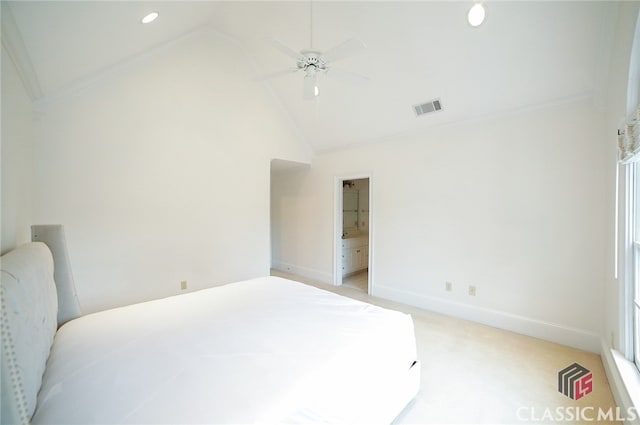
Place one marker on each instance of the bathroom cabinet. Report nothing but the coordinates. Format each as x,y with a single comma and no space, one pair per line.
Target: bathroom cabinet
355,255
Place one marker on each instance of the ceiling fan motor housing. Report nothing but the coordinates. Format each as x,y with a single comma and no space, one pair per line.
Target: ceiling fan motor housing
312,61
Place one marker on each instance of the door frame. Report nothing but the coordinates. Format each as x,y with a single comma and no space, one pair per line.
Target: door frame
337,227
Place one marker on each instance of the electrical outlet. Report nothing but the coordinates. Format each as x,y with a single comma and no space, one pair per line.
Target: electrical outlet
472,290
448,286
183,285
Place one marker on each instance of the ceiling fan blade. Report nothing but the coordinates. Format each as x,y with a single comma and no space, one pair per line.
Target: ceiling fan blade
276,74
348,75
348,48
285,49
309,88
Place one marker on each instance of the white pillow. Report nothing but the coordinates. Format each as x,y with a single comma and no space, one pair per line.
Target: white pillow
28,324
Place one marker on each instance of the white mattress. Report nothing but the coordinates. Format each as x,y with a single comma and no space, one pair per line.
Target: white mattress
266,350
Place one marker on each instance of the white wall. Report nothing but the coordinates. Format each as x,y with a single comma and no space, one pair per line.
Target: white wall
17,158
160,172
513,205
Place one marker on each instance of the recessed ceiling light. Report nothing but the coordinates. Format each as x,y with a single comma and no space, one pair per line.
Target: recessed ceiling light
150,18
476,15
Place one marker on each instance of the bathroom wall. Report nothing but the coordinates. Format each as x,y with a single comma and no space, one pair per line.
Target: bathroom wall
361,186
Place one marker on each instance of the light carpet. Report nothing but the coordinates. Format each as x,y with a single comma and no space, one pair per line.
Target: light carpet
476,374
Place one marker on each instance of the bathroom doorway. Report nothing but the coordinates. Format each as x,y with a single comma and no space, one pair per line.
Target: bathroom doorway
353,233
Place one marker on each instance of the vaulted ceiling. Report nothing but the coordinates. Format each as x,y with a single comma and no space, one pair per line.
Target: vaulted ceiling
525,54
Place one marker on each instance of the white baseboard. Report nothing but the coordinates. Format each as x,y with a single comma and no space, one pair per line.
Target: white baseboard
573,337
306,272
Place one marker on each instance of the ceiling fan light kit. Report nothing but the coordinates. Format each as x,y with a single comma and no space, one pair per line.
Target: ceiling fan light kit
314,62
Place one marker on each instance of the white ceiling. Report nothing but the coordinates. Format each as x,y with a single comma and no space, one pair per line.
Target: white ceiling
526,54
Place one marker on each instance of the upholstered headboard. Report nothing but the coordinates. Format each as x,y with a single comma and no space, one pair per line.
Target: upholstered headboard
53,236
28,324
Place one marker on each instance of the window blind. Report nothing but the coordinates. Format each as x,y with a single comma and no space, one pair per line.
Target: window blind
629,139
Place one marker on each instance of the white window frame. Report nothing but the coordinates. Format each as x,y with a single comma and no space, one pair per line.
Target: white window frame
632,287
626,180
630,264
629,177
635,305
627,273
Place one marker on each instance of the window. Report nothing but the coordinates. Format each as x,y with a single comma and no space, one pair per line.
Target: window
630,153
630,261
634,291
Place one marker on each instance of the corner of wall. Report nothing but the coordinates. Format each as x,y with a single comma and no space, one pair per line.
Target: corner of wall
305,272
12,42
16,144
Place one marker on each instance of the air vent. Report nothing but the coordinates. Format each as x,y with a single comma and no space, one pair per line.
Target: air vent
425,108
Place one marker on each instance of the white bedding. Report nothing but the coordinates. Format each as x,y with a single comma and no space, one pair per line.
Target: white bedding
266,350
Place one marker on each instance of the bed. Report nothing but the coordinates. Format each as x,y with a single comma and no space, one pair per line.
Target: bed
265,350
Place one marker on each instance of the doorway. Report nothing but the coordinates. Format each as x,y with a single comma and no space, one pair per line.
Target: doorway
353,226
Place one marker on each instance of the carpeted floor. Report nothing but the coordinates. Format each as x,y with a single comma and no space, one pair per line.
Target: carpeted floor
476,374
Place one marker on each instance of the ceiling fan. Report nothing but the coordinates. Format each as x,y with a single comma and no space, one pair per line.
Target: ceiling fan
314,62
